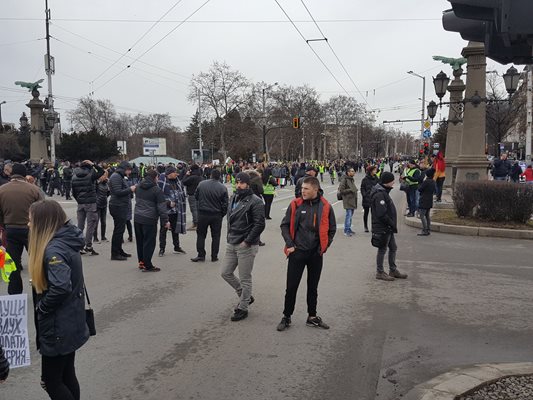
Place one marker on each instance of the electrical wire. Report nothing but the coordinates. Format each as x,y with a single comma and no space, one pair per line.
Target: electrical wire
138,40
335,54
154,45
313,50
21,42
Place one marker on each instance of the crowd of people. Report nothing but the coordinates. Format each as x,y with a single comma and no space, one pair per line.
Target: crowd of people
157,200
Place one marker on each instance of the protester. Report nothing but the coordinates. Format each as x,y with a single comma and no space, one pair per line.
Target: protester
4,365
308,229
269,188
192,179
309,171
439,165
212,203
348,191
426,189
369,181
5,173
84,191
150,207
16,197
384,223
246,221
412,178
501,168
528,174
58,288
102,193
118,208
67,180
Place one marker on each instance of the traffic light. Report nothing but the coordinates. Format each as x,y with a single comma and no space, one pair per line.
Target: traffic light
296,122
503,25
426,148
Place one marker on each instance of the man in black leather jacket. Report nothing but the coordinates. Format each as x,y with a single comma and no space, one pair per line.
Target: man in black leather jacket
212,203
246,221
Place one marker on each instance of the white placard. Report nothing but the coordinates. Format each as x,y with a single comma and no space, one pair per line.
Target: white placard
157,145
14,329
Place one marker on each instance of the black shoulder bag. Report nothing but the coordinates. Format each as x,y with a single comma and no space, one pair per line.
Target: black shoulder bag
89,315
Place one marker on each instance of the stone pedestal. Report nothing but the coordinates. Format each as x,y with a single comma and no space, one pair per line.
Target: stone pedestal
38,144
455,127
472,162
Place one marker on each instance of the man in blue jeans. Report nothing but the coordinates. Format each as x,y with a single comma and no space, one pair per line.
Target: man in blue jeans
412,178
348,190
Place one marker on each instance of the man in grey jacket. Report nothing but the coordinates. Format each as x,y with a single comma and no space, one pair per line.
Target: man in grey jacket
118,208
246,221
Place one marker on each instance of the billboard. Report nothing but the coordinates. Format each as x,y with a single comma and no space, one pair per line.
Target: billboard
154,147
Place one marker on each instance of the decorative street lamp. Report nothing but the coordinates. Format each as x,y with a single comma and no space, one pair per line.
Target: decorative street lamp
441,82
510,78
432,109
23,121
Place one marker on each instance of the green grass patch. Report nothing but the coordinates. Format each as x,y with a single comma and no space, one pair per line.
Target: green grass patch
449,217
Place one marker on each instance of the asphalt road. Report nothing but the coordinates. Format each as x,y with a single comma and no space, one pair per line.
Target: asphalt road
168,335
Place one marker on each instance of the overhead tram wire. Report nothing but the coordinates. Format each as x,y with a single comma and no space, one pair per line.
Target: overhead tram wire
138,40
154,45
336,56
313,50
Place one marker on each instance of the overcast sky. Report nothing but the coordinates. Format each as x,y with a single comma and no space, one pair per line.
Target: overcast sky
377,41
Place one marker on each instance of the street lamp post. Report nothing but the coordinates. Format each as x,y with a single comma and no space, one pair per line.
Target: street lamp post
1,123
423,116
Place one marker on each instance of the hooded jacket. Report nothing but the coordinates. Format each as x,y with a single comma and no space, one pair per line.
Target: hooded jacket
367,184
349,192
384,219
150,204
60,309
83,183
309,225
246,218
119,189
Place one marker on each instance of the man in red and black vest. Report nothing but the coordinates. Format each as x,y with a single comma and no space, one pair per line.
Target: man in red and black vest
308,229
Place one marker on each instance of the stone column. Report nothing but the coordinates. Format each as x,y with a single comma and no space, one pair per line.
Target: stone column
38,144
472,161
455,127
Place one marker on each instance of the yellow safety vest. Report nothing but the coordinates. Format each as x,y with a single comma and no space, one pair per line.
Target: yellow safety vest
7,265
268,188
410,174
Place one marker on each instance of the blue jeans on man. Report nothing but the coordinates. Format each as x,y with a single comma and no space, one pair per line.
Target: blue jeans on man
412,198
348,220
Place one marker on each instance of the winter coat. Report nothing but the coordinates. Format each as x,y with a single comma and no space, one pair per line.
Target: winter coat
348,191
306,227
83,183
119,189
60,310
256,183
150,203
426,189
175,193
192,181
212,198
67,174
367,184
102,192
501,168
246,218
384,218
4,365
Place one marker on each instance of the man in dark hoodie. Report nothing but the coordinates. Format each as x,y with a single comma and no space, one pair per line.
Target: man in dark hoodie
119,201
84,191
246,221
308,229
384,224
150,206
192,179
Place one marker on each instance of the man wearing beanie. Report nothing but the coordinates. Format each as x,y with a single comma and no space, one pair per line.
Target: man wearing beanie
16,197
246,221
384,226
175,197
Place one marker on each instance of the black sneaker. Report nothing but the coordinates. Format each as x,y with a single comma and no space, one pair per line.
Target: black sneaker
125,254
152,269
249,304
316,322
284,324
91,251
161,253
179,250
239,315
104,239
118,257
83,251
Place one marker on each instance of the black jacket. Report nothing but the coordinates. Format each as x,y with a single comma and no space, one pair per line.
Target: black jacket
60,310
501,168
119,189
150,203
426,189
367,184
383,210
307,220
102,192
246,218
212,197
4,365
83,183
192,181
67,174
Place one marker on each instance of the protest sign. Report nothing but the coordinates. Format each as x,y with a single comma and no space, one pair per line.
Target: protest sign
14,329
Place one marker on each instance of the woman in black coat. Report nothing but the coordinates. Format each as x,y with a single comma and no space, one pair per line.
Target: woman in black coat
58,287
4,365
369,181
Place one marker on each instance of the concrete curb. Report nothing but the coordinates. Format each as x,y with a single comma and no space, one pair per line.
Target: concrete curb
472,230
462,381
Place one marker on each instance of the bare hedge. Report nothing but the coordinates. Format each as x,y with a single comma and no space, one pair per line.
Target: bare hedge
494,201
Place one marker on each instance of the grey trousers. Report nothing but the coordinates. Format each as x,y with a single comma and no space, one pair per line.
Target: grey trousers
194,209
243,257
391,244
87,212
425,218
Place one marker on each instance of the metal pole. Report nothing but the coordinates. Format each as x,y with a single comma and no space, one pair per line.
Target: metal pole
200,128
423,106
303,144
1,123
529,112
264,128
49,76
